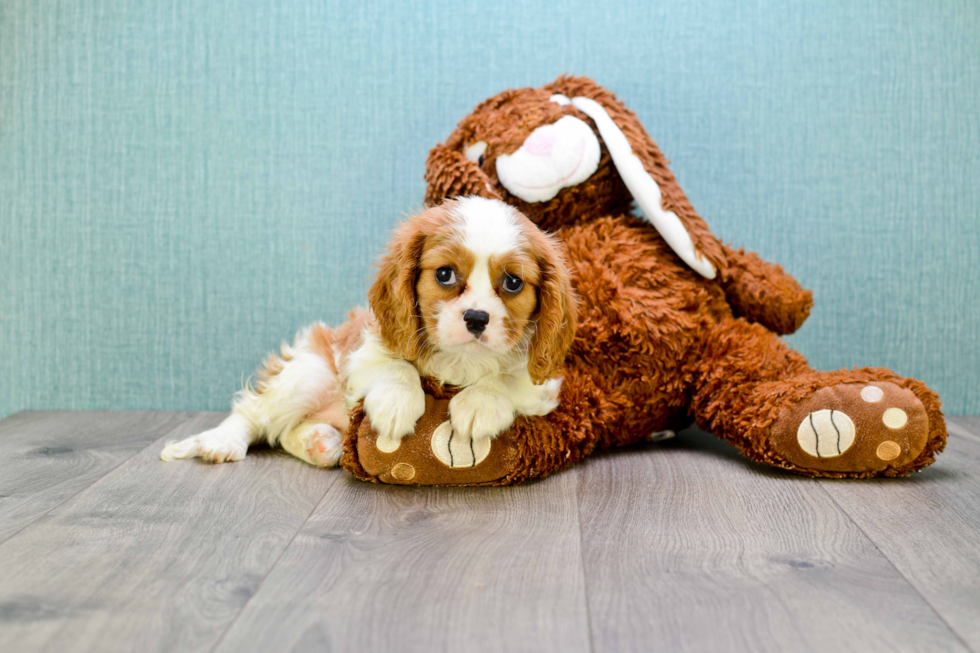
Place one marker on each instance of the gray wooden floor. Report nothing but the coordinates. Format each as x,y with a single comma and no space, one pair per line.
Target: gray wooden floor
680,545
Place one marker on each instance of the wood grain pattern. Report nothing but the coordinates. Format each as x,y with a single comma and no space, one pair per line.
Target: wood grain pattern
965,427
386,568
686,546
928,526
154,556
677,546
51,456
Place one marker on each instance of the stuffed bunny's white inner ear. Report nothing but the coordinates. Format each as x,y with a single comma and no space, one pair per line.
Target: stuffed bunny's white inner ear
642,186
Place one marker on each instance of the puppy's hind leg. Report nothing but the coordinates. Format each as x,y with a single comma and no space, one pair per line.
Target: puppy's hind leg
225,443
316,438
290,389
317,443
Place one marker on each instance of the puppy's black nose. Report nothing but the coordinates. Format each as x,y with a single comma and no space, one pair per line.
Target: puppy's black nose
476,321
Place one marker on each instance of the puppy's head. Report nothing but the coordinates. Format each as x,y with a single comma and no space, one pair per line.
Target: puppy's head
475,275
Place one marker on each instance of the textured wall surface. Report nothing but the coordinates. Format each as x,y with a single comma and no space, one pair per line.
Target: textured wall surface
183,184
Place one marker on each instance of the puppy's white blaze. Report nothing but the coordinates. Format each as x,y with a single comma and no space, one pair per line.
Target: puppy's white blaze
486,228
556,156
480,296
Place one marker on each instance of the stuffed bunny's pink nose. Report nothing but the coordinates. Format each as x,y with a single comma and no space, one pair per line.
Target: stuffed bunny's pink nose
540,142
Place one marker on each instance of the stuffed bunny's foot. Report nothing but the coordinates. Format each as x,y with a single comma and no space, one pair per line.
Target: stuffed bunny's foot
853,427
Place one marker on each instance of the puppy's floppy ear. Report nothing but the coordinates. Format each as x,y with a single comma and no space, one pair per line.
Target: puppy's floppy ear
449,174
393,296
557,314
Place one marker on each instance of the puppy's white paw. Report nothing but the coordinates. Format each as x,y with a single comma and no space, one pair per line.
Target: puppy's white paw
544,399
476,413
317,444
393,409
222,444
183,449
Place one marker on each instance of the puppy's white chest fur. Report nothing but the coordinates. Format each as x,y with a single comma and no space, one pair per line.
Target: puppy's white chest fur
470,364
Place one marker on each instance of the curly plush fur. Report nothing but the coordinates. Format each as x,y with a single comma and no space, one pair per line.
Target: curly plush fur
657,344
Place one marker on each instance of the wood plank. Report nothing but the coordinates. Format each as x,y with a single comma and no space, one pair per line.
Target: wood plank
48,456
965,426
387,568
928,526
689,547
154,556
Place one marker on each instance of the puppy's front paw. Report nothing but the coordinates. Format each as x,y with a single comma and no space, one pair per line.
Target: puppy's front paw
476,413
542,399
393,409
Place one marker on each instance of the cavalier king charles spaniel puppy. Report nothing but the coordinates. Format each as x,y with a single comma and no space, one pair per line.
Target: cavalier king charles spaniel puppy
470,293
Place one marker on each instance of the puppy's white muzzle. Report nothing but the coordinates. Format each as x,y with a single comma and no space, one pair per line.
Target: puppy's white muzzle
555,156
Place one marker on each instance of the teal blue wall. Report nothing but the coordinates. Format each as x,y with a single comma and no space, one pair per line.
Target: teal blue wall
183,184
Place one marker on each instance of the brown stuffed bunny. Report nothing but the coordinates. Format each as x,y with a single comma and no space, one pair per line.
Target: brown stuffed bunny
673,324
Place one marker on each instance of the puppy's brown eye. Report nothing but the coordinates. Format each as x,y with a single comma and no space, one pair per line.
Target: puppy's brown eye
513,284
446,276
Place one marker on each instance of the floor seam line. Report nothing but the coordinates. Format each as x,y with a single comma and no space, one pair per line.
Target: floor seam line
892,564
581,554
275,564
